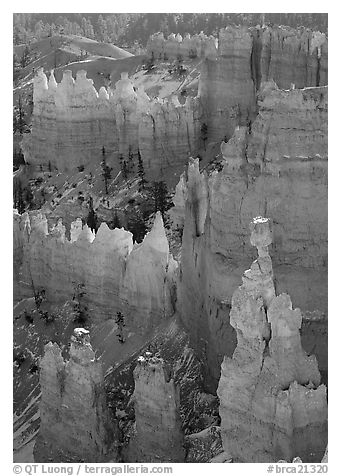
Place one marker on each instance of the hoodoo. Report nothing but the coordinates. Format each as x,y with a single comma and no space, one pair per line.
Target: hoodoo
272,405
75,422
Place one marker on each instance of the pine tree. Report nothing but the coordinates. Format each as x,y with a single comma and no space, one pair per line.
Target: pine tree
116,221
130,160
19,202
160,196
204,133
137,227
103,29
19,123
28,196
141,172
80,310
106,170
91,219
124,170
119,320
16,69
25,58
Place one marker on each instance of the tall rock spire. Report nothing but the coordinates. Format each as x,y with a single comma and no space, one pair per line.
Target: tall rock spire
271,404
158,427
75,423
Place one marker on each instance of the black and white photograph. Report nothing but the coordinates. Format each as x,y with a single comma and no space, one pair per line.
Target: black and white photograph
170,241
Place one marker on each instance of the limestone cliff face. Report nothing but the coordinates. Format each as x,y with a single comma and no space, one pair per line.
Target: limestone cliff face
20,236
226,89
75,423
271,404
168,135
290,56
178,47
158,435
137,279
278,168
248,57
71,123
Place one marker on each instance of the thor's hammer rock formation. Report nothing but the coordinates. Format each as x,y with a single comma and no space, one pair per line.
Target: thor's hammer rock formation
272,405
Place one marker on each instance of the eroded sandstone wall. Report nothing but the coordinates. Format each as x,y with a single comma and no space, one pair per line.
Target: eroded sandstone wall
178,47
248,57
279,169
290,56
158,435
71,123
75,424
272,405
117,275
226,88
168,136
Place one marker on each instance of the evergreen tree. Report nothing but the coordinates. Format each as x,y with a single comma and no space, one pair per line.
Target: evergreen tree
92,220
80,310
204,133
19,202
19,123
141,172
16,68
124,169
25,58
103,30
116,221
119,320
137,226
160,196
130,163
106,170
28,196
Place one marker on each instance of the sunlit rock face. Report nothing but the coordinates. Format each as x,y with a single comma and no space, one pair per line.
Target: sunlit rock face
158,435
290,57
271,404
21,229
176,47
277,168
248,57
226,89
72,123
168,136
75,423
136,279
